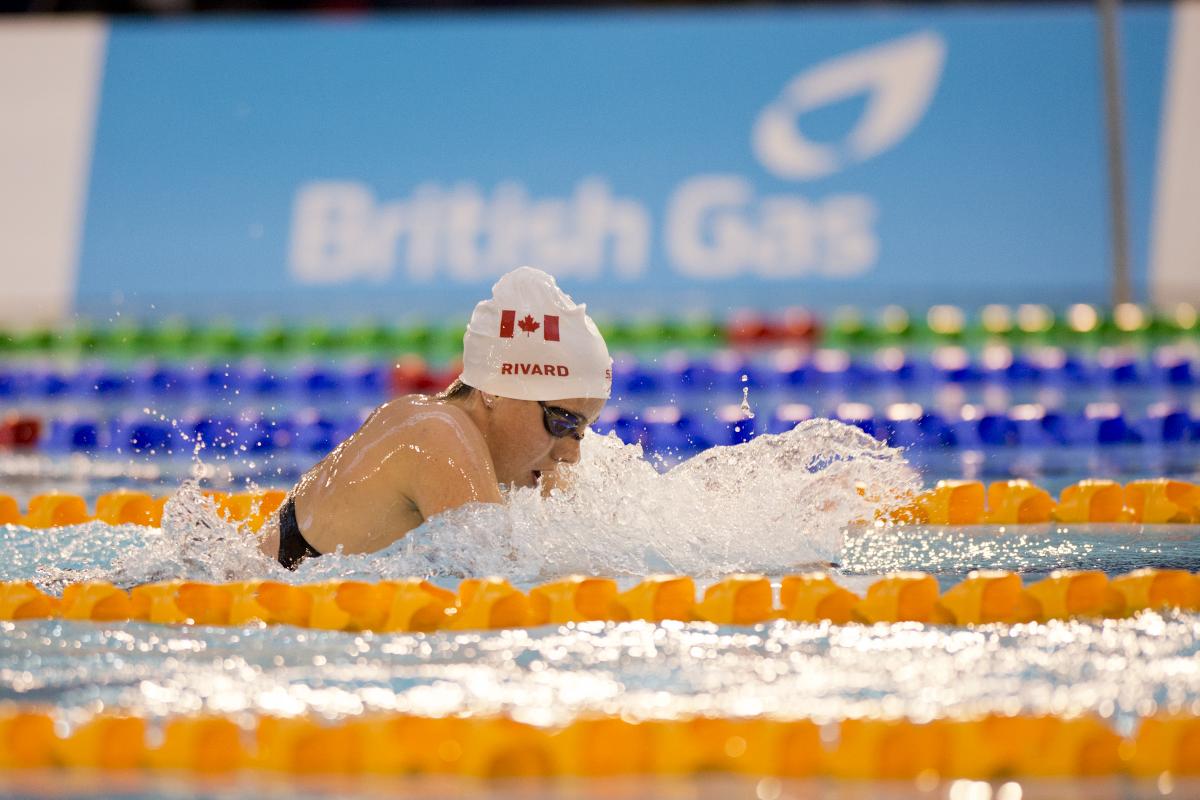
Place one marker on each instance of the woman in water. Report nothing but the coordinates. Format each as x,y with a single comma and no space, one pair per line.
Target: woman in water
536,374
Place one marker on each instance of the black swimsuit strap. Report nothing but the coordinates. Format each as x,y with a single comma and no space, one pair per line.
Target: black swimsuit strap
293,547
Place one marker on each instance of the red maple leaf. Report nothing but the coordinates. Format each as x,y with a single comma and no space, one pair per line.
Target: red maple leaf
529,324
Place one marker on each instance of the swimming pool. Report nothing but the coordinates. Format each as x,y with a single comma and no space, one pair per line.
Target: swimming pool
775,505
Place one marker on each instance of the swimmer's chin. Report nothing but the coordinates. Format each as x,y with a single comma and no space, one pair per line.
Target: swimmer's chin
529,480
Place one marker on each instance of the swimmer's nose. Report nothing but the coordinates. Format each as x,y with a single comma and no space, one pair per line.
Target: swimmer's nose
565,450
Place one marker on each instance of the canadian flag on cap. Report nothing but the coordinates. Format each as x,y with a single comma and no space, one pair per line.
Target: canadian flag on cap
509,323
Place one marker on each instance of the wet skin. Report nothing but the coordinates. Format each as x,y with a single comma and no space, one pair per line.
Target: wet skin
417,456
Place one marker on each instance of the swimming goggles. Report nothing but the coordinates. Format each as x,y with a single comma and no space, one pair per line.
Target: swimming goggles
561,423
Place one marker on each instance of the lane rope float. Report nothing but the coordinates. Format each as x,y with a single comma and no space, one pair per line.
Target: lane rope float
1157,501
496,747
417,605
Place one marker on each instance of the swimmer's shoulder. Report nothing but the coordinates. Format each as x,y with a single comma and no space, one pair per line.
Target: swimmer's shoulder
442,458
430,426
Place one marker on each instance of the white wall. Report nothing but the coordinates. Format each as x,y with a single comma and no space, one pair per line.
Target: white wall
1175,243
50,73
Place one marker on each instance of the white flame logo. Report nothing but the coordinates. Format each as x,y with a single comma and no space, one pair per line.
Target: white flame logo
899,78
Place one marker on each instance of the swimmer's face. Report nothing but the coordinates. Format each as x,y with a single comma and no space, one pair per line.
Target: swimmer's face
522,448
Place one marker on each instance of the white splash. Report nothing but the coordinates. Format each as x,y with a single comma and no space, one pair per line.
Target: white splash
195,543
775,504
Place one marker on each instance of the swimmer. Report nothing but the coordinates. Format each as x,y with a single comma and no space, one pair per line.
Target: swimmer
536,374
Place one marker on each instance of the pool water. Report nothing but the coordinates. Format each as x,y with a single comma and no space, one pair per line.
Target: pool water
545,676
777,505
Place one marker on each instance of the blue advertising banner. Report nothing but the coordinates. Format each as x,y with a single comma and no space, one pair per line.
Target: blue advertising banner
650,160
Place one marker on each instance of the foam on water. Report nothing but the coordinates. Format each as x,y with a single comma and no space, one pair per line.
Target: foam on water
776,504
194,543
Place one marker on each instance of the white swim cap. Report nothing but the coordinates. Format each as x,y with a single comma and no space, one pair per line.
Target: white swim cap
532,342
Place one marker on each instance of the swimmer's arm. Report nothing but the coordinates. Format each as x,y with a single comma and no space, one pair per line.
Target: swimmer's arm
449,467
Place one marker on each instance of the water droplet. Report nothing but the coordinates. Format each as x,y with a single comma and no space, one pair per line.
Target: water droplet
747,412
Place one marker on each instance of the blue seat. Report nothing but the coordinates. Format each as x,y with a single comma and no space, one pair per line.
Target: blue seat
733,372
161,380
909,425
898,366
830,368
1173,367
728,368
320,380
860,415
635,378
997,430
954,365
692,376
1180,374
695,437
729,426
1061,428
861,373
631,428
901,432
369,379
792,369
105,382
936,431
316,434
965,426
74,434
264,380
995,363
1165,424
787,416
1125,372
1022,370
138,433
221,433
50,382
1049,364
1027,426
1080,371
1106,425
268,435
223,380
667,430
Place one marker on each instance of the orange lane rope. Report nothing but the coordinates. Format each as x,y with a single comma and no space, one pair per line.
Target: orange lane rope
1156,501
497,747
416,605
